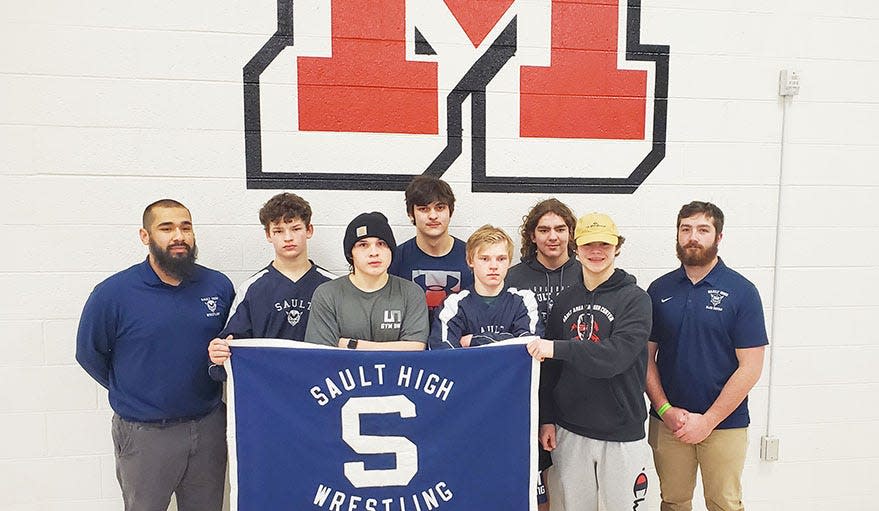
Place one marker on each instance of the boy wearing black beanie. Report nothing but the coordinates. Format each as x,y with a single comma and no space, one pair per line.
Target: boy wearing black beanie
369,309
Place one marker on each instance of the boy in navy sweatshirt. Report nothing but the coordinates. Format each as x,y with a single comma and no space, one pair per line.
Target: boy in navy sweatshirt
489,311
276,301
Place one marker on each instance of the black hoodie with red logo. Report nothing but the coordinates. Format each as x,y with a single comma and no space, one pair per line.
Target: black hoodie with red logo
594,385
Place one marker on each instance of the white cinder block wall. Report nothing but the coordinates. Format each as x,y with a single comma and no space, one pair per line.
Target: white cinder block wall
107,106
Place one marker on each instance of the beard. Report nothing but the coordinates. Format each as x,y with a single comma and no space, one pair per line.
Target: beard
178,266
695,254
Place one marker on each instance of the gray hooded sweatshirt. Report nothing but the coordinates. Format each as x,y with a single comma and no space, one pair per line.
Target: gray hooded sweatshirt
545,283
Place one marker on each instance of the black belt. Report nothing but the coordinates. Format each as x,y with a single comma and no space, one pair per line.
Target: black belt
176,420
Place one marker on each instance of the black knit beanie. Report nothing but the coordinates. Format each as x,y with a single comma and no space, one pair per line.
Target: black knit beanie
368,225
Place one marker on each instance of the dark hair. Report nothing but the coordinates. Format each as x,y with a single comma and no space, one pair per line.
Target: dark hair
423,190
529,224
147,217
710,210
284,207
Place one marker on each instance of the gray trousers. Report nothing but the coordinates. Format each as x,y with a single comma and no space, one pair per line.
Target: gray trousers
592,471
188,458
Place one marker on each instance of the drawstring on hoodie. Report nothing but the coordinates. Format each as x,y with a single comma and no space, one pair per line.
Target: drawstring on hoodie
549,292
592,313
528,277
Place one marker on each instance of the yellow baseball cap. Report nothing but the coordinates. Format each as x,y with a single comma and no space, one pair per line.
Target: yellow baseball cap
596,227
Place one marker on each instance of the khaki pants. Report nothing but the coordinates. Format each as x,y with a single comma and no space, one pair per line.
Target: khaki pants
720,458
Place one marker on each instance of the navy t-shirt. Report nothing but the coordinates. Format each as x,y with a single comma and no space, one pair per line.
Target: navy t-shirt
437,276
698,328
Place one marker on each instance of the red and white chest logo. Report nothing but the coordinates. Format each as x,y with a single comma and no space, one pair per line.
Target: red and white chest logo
550,96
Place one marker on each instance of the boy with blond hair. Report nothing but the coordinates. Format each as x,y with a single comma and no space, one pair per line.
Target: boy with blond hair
489,311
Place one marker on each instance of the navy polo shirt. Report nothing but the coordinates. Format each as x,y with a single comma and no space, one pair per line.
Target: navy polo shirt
698,328
147,341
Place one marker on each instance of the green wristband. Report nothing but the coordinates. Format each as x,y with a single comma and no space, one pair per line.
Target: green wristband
662,409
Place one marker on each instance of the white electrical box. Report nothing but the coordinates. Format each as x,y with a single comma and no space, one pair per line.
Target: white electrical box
769,448
788,83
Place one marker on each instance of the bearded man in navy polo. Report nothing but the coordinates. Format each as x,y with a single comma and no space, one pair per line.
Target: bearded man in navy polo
143,335
705,354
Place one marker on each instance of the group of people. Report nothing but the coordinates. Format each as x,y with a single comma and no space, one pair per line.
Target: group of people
693,341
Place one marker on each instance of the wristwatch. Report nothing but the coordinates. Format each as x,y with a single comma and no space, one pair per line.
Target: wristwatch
352,344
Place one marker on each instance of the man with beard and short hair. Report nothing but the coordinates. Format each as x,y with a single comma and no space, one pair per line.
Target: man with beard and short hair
705,355
143,335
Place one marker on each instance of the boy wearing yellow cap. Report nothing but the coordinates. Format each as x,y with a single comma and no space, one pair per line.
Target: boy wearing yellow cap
592,409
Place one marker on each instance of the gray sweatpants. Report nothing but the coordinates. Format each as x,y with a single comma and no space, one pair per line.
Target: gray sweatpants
592,472
188,458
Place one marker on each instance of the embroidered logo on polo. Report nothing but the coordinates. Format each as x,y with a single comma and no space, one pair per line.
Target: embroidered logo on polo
716,296
210,302
503,91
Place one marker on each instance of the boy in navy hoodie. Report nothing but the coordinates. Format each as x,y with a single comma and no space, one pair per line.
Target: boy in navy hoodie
489,311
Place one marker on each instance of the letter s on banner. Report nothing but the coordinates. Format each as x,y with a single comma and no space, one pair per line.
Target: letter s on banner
405,452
